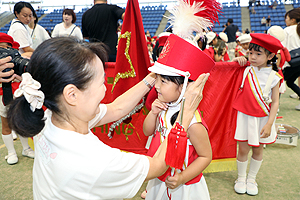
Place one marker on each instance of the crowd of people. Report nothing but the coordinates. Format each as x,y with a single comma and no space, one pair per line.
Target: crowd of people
51,100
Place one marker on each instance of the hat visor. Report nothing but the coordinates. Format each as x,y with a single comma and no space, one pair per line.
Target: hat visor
161,69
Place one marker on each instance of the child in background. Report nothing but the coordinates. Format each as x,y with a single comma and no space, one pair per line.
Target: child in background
8,135
237,48
173,73
201,41
224,38
212,40
244,43
255,119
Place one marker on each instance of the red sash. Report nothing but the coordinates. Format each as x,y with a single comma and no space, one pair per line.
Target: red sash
241,53
249,99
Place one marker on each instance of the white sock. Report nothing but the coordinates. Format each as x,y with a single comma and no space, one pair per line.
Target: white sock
9,143
242,169
254,168
24,141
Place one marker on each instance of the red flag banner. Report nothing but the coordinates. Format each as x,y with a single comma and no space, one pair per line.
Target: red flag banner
132,56
218,95
131,67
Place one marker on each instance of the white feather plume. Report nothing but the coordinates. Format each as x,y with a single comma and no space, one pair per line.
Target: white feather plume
185,22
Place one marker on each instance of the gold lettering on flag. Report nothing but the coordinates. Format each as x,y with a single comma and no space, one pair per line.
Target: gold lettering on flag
128,73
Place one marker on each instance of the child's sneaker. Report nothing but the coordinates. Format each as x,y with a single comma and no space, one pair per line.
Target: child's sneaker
252,187
28,153
294,96
11,158
240,186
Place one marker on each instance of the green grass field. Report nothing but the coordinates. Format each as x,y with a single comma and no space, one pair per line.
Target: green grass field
278,178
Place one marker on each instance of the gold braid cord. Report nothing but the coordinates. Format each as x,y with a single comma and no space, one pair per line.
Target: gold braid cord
127,74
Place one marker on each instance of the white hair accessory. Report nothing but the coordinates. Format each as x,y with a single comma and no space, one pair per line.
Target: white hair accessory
30,89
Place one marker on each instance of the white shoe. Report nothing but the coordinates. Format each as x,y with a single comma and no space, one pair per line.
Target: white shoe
28,153
11,158
240,186
252,187
298,107
294,96
14,135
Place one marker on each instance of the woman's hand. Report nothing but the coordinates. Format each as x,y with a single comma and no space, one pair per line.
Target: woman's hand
158,106
193,94
173,182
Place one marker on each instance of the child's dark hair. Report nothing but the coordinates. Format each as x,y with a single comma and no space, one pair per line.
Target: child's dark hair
179,81
256,47
158,51
203,40
56,63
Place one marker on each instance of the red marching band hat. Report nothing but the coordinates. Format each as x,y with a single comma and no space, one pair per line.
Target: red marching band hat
270,43
266,41
8,39
181,58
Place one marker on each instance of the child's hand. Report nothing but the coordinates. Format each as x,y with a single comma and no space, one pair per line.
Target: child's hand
241,60
173,182
158,106
265,131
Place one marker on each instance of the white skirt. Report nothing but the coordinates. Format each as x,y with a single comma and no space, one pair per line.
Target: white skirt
157,190
248,129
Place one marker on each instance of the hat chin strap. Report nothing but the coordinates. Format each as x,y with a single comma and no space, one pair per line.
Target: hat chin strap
186,78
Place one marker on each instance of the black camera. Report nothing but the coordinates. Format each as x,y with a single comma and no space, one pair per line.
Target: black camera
20,65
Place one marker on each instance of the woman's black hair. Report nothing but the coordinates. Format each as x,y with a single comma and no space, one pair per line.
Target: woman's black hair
36,18
294,14
256,47
20,5
178,80
71,12
56,63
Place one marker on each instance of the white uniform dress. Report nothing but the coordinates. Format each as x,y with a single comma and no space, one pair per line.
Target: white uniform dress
38,35
60,31
248,127
70,165
20,33
156,189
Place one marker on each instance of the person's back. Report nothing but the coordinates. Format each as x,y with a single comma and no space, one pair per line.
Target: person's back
100,24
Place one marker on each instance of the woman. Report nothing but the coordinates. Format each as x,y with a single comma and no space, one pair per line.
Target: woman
71,162
19,26
67,28
291,42
37,32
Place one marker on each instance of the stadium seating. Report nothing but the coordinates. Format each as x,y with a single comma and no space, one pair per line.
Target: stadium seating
152,16
277,17
234,12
